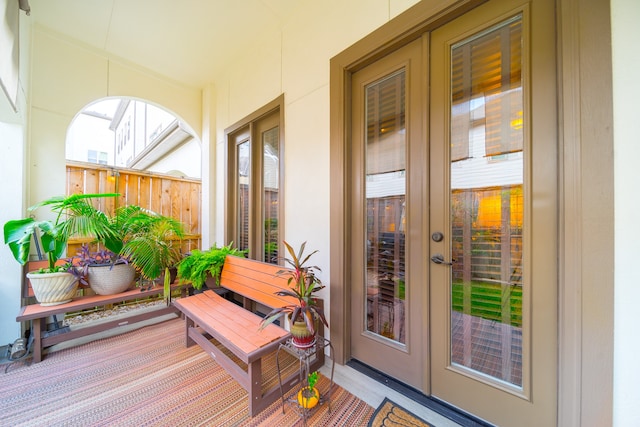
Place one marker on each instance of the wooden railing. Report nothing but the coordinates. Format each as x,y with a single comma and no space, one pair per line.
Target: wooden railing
179,198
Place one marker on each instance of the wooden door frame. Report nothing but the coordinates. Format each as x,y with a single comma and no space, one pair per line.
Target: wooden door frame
585,231
408,26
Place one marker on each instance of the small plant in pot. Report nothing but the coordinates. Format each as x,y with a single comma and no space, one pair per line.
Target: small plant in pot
309,396
106,272
140,240
198,266
151,242
304,284
74,215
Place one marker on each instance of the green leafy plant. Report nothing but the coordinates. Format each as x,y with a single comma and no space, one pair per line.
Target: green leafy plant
74,216
304,284
309,396
312,379
149,240
196,266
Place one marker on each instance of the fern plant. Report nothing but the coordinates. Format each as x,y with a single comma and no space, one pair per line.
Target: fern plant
199,264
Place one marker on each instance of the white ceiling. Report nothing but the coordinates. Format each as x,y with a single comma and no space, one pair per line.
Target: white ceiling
189,41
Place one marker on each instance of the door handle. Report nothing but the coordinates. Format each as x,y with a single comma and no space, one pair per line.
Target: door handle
439,259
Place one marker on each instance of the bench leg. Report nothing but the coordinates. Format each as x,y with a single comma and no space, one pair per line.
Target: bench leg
188,322
38,325
255,392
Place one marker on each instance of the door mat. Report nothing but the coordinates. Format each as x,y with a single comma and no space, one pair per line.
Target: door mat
390,413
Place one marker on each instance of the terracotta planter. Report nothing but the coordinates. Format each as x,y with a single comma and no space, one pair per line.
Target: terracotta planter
210,282
105,280
173,275
53,288
302,337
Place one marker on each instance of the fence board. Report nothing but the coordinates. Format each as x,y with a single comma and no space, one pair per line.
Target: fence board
75,181
144,192
175,197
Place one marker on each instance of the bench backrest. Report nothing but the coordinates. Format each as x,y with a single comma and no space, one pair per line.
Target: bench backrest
255,280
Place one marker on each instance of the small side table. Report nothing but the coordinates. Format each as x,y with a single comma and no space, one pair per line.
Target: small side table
305,357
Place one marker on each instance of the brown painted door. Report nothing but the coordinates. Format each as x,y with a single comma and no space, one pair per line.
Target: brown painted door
493,175
388,288
453,226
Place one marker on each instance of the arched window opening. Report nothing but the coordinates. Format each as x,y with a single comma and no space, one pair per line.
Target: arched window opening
133,134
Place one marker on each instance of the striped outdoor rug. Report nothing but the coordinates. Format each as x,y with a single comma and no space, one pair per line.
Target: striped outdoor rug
147,378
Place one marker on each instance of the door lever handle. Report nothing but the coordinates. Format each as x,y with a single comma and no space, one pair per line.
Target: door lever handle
439,259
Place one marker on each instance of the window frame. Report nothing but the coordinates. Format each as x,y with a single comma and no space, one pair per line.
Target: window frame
248,129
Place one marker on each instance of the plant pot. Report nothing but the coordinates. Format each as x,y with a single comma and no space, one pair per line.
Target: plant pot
301,336
173,274
308,398
53,288
211,282
109,280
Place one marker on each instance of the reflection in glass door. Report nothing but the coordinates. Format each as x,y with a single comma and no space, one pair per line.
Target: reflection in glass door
385,184
487,203
271,193
493,172
387,267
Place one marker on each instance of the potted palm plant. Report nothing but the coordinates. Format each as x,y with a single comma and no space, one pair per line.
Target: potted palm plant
304,284
152,243
74,215
140,240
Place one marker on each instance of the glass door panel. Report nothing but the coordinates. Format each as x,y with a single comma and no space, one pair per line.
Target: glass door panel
387,281
385,184
243,155
271,195
493,279
487,214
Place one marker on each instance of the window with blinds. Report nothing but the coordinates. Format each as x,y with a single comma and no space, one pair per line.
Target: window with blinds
254,210
386,144
487,203
487,91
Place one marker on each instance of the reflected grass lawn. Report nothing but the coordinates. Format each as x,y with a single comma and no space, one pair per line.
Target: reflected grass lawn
487,301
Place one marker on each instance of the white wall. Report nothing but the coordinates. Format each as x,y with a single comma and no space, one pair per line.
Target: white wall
12,143
626,92
13,162
296,63
185,159
68,76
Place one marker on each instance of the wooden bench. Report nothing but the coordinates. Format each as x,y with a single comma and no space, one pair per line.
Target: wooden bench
38,315
214,322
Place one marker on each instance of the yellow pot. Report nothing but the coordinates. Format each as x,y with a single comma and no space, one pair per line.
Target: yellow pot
308,398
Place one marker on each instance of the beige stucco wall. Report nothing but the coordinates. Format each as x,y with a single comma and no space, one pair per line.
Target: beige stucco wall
626,92
66,76
296,62
13,143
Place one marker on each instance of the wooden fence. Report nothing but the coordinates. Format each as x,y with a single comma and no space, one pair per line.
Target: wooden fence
179,198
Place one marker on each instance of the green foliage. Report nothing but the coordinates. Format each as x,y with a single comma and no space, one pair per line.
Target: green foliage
199,264
487,301
75,216
167,286
304,284
146,238
149,240
312,379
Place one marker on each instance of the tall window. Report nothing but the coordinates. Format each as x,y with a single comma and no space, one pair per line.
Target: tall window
254,183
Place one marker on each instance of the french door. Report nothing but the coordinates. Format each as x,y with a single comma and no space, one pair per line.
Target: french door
454,212
387,326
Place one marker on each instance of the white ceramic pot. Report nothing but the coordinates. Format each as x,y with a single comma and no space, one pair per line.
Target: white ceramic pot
53,288
109,280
